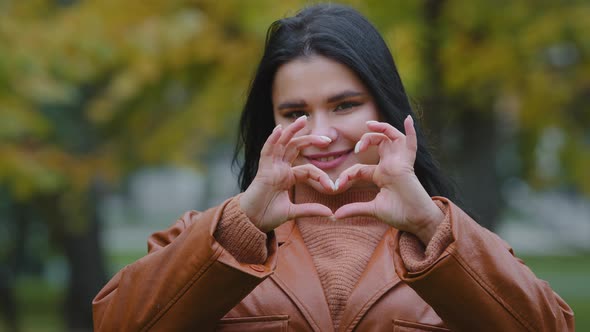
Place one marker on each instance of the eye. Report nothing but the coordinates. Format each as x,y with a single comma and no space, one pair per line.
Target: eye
346,105
294,115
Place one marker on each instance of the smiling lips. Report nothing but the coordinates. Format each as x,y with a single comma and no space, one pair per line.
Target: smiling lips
328,160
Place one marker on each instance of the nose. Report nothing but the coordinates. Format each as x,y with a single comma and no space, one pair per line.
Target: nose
320,125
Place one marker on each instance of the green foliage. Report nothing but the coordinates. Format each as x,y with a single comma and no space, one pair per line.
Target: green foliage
100,88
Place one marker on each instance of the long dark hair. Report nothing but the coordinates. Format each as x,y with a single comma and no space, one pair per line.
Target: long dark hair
342,34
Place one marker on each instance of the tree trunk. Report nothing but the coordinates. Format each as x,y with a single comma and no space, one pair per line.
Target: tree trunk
465,136
83,252
10,263
474,164
8,307
87,275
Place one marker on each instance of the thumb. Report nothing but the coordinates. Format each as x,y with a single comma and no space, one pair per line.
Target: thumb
309,210
366,209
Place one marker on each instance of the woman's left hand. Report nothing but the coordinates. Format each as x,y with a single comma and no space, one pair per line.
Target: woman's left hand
402,201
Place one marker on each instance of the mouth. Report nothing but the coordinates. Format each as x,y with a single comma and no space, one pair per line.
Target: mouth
328,160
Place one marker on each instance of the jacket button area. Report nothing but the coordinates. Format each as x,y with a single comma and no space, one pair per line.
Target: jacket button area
257,268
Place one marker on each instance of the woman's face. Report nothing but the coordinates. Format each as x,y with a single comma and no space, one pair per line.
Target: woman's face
337,105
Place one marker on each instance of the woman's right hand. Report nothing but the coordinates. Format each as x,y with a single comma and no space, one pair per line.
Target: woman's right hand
266,202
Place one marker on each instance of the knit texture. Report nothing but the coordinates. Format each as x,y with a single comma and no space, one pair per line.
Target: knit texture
340,249
239,236
417,258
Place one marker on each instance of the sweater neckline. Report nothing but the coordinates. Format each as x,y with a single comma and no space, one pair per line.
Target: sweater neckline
304,193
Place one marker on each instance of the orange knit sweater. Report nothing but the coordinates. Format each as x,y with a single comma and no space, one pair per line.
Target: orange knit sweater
340,249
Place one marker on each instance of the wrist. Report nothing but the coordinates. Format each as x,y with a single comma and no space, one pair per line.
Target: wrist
246,205
429,224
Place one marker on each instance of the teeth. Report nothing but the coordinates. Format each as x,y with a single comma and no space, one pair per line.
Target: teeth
327,159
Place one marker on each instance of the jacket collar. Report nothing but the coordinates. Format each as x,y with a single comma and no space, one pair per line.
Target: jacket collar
377,279
296,275
284,231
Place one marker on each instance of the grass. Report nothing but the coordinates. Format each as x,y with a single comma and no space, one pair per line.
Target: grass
120,260
569,276
40,303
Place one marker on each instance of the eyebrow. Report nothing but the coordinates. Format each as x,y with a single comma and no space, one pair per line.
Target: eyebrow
332,99
344,95
292,104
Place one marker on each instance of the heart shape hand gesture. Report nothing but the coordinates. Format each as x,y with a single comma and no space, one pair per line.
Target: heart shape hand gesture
402,201
266,202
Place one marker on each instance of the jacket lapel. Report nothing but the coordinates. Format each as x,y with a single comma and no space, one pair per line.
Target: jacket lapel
377,279
296,275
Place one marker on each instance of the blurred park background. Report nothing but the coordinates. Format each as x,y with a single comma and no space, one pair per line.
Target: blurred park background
117,116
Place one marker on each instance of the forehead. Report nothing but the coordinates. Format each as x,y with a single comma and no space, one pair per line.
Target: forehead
313,77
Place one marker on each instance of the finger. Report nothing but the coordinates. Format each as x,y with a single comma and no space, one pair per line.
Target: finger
271,140
385,128
299,143
309,210
370,139
311,172
411,139
292,129
354,173
366,209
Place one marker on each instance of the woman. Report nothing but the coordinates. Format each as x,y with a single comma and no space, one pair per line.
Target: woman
343,222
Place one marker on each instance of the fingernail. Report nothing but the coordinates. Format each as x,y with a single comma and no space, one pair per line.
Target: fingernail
337,184
332,218
302,117
277,128
333,185
357,147
372,121
326,139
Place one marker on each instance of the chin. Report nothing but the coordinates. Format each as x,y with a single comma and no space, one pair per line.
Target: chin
335,172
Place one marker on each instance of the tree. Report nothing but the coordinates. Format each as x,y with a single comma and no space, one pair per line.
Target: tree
94,90
492,81
91,91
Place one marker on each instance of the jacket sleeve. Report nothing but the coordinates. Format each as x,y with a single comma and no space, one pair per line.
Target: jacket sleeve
188,281
477,284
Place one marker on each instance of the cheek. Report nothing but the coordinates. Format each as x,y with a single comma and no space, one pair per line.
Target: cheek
278,120
370,156
299,161
352,129
355,125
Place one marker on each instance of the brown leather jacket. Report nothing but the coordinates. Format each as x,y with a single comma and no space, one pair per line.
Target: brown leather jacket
189,282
